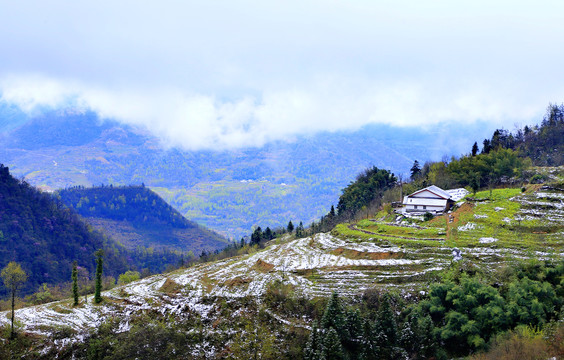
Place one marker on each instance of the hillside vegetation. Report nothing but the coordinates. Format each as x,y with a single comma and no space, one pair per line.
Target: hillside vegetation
400,293
45,237
136,216
543,143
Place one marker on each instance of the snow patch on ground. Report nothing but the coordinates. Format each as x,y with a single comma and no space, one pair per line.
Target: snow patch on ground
549,195
468,226
487,240
457,194
248,275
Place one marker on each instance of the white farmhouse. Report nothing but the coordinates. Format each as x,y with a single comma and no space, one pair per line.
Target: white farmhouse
432,199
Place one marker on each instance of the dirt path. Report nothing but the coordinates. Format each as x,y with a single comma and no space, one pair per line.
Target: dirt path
353,227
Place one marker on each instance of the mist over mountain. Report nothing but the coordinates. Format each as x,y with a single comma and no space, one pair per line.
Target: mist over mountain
229,190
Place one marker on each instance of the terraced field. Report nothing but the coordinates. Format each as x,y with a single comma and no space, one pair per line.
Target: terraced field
489,230
486,227
315,266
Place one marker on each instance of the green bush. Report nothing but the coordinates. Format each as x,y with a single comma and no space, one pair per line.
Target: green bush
538,179
128,277
428,216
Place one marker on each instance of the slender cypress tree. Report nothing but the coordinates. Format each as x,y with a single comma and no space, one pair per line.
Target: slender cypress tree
98,289
369,348
75,282
475,149
354,332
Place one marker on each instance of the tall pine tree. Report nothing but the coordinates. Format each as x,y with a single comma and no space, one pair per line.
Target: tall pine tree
370,349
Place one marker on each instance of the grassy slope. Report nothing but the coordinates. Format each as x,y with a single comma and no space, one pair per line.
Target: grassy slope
503,222
350,260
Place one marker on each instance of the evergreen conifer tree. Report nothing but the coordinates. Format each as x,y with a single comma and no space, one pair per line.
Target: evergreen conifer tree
268,234
386,329
369,348
408,336
487,147
98,288
427,343
332,348
475,149
75,282
333,315
290,227
313,347
415,170
353,325
256,236
300,230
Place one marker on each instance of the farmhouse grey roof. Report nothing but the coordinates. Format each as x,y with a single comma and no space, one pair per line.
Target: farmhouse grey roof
435,190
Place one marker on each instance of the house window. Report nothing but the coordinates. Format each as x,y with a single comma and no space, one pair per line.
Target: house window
415,207
424,207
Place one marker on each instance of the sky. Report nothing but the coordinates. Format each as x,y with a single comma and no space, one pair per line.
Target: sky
227,74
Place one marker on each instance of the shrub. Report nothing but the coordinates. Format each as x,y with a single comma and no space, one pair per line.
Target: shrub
521,344
128,277
538,179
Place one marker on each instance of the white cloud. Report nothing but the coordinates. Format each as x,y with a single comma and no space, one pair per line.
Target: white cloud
237,73
194,121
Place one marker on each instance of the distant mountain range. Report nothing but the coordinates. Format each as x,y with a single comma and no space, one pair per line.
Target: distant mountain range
228,191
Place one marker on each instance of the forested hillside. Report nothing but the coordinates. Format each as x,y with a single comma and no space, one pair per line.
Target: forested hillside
45,237
136,216
543,143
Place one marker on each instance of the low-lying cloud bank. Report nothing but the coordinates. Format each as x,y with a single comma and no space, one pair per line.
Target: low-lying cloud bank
197,121
222,75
